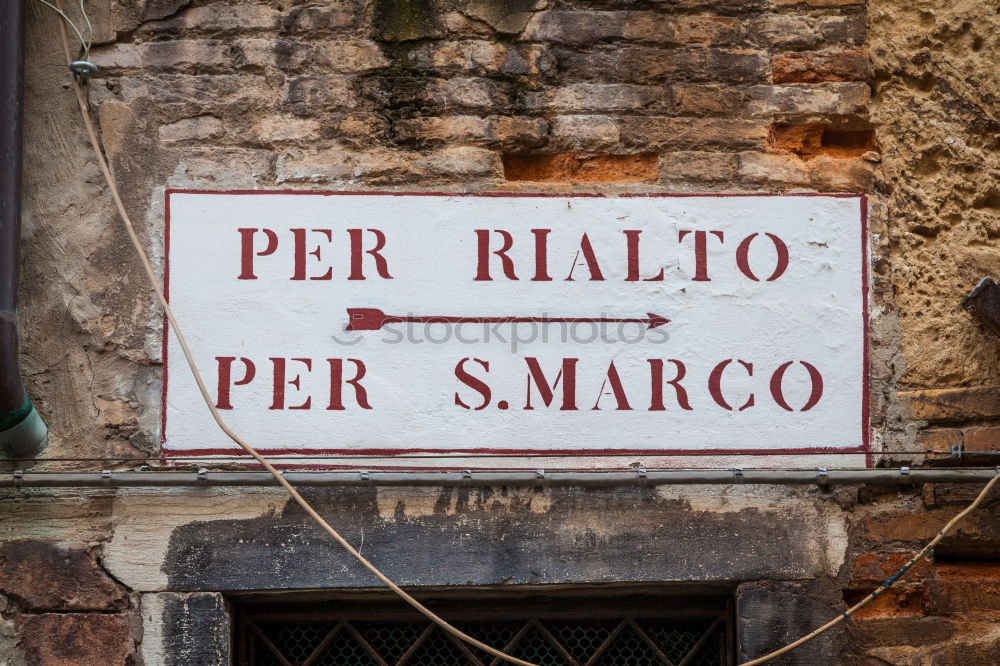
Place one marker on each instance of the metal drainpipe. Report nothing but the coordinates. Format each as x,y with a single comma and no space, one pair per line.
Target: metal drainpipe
23,433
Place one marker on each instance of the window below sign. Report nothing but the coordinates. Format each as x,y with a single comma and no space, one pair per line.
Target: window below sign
573,626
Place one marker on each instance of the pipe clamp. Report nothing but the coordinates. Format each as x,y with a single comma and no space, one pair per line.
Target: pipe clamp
27,438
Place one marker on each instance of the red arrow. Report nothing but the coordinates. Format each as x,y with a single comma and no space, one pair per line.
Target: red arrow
371,319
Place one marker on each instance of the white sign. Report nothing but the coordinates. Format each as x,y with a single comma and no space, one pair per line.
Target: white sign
382,323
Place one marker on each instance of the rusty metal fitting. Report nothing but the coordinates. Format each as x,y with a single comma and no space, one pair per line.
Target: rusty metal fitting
983,303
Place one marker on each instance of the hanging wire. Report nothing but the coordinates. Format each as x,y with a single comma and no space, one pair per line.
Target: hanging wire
90,32
85,44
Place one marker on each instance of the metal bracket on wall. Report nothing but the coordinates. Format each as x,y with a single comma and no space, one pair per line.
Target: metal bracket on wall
983,303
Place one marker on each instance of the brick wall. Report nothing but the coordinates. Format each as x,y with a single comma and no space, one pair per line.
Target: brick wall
68,610
689,95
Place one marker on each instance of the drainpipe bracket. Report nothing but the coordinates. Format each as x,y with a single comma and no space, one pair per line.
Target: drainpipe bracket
26,439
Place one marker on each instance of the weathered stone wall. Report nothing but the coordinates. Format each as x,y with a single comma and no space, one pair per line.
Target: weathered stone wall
893,99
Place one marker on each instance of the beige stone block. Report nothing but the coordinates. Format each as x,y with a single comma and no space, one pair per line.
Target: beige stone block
350,56
982,438
585,133
958,404
708,30
603,97
199,127
807,99
117,56
285,128
841,174
768,168
699,99
218,17
784,31
186,54
698,166
465,92
346,165
691,133
938,442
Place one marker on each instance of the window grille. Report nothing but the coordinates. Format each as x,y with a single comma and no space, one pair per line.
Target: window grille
573,632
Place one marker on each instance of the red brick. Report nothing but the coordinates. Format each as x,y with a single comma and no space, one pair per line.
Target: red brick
604,97
830,99
872,569
643,64
845,29
966,587
937,442
904,526
909,631
48,576
812,139
953,405
733,65
509,131
698,166
702,99
316,19
587,27
691,133
892,603
581,169
982,438
708,30
78,639
820,67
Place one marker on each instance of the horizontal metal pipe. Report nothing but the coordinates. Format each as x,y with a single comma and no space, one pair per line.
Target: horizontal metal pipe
305,479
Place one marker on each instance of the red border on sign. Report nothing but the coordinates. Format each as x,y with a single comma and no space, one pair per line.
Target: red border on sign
864,448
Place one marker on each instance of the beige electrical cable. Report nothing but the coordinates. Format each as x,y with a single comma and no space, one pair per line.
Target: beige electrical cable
151,276
887,584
